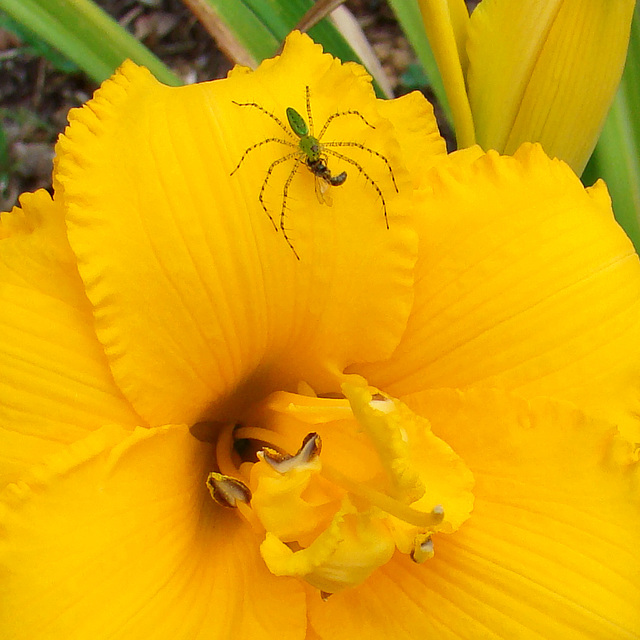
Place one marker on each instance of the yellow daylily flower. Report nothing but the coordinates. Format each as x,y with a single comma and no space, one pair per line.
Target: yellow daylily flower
229,409
530,71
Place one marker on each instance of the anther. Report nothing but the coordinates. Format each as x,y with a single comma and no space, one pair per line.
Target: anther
423,550
309,451
438,513
227,491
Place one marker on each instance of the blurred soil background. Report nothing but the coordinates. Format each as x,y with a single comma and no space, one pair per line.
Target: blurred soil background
36,92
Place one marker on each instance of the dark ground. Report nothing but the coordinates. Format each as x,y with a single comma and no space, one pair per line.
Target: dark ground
35,96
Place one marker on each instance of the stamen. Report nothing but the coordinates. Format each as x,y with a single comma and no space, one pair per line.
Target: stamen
228,491
386,503
310,449
423,550
224,447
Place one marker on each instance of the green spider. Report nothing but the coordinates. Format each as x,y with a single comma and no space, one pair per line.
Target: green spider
314,155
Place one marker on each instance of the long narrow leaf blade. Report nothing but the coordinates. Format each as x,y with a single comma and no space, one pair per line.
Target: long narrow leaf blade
85,34
238,31
280,16
262,25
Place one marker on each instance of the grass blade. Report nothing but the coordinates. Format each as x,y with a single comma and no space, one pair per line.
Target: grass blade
86,35
262,25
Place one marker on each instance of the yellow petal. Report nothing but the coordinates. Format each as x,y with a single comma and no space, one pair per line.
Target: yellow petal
55,383
546,72
194,291
446,24
419,137
118,538
550,550
524,282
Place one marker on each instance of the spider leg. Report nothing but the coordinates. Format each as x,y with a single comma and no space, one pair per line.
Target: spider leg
372,151
272,166
285,193
332,117
367,177
309,116
268,113
259,144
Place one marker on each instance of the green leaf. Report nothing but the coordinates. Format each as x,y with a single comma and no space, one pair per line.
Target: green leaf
617,154
257,36
37,45
414,77
279,17
262,25
86,35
